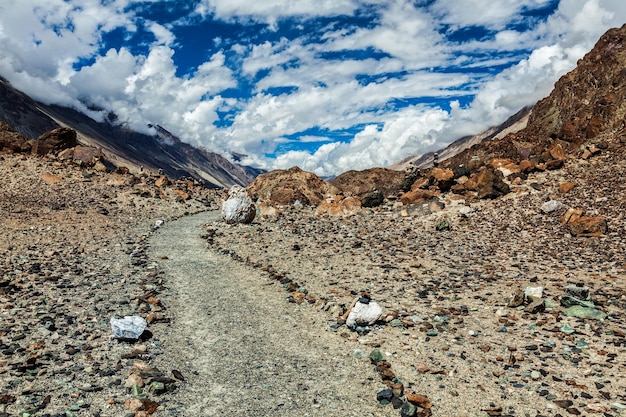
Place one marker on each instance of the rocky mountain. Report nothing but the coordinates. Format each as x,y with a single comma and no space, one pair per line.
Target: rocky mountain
586,109
123,147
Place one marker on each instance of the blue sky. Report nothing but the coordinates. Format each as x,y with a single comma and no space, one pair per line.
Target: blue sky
328,85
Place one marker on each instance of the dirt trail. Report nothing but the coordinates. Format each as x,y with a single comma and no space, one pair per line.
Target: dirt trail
242,347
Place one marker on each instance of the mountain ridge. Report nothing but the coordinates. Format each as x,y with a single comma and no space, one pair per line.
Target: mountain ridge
162,152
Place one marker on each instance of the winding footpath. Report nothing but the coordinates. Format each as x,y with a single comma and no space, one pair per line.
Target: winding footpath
245,350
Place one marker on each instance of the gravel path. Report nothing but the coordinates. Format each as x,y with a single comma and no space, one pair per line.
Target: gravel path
242,348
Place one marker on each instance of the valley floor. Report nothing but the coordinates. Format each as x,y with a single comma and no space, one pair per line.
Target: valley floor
82,246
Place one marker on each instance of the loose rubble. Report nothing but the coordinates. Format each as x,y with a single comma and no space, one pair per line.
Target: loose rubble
73,257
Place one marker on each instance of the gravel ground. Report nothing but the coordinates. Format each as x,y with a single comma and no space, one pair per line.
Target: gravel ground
248,319
456,341
243,350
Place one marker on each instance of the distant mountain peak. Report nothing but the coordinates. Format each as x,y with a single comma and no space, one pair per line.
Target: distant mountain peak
162,151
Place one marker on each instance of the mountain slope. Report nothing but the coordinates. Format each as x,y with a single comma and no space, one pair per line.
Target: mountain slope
586,107
121,146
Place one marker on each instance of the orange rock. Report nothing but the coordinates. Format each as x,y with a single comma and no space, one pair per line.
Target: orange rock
417,196
267,210
506,166
298,297
346,207
117,181
419,400
566,187
182,194
162,182
556,152
588,226
423,368
488,184
572,214
134,404
441,174
527,166
51,178
419,183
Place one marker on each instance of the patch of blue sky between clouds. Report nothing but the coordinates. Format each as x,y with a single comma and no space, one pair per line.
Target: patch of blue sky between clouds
329,85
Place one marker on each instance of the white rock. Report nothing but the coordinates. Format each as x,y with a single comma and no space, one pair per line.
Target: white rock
239,207
158,223
364,314
128,327
550,206
536,292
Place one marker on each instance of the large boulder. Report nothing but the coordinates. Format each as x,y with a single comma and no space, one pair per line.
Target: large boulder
488,183
82,155
54,141
388,182
239,207
13,141
286,187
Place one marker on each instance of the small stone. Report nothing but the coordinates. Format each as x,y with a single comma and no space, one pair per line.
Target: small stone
566,187
408,410
396,323
537,306
580,292
550,206
535,375
157,388
584,313
128,327
364,314
419,400
376,356
517,299
442,224
384,395
533,292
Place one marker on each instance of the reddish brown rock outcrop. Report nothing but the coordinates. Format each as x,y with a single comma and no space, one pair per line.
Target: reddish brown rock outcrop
285,187
360,183
587,226
488,183
11,140
54,141
586,106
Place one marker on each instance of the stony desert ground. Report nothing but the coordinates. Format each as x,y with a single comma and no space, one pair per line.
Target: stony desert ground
72,256
455,330
452,330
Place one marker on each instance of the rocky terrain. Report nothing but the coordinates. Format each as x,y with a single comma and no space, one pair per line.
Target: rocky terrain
500,273
72,256
451,330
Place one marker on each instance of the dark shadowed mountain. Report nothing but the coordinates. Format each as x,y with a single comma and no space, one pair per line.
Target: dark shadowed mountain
121,146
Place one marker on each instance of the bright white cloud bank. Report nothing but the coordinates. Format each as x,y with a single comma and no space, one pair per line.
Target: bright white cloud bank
363,110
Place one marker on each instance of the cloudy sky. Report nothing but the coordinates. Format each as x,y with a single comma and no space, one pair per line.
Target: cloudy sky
328,85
